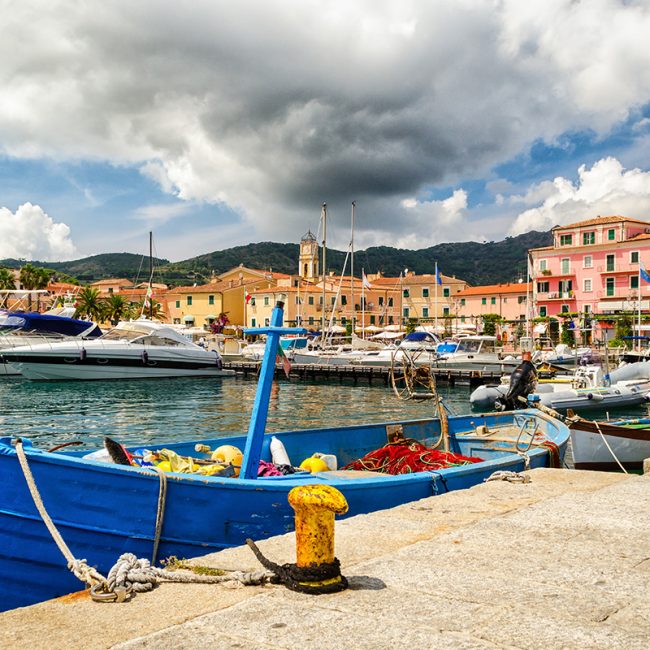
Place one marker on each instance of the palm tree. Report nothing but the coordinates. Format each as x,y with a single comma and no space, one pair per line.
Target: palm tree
34,278
117,308
89,304
7,283
142,309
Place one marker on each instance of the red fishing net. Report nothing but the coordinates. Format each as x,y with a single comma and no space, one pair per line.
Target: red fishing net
406,457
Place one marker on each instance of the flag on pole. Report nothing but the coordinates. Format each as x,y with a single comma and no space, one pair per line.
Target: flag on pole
281,357
643,274
438,276
147,297
364,280
247,296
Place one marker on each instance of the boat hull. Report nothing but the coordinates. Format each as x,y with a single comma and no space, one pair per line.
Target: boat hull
103,510
594,446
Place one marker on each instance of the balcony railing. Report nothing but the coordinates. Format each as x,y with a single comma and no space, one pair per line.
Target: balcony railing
556,295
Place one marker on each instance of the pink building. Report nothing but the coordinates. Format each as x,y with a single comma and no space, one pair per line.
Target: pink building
508,300
592,266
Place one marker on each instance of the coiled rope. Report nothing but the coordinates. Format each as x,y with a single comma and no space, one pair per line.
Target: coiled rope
129,574
507,475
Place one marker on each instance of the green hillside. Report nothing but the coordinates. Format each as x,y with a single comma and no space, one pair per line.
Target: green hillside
489,263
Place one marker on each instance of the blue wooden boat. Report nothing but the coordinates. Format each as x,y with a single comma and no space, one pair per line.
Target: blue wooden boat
103,510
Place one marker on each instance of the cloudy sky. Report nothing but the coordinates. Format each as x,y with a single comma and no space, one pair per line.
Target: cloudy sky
219,123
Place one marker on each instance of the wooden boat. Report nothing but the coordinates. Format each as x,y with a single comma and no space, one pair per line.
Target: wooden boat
610,445
103,510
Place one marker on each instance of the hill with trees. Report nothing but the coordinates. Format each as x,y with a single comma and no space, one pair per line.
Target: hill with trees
475,262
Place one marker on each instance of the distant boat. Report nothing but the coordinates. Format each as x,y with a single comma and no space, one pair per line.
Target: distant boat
477,352
132,350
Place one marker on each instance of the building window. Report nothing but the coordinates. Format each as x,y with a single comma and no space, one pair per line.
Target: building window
484,301
320,300
611,234
311,300
564,309
425,292
381,301
610,286
266,301
521,299
252,301
542,311
372,319
634,257
634,282
405,293
333,300
543,287
344,320
445,311
405,312
586,285
445,292
110,289
565,286
462,318
565,265
587,262
344,299
610,263
425,312
543,265
267,322
297,300
390,302
253,322
178,304
210,300
189,300
493,300
462,302
311,320
566,240
588,238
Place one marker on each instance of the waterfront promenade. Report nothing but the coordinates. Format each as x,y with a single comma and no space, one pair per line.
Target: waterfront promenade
560,562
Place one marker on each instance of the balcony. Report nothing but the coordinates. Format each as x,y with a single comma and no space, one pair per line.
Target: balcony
559,273
556,295
633,270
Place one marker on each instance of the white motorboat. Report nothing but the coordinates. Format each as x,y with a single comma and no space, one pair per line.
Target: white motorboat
132,350
477,353
618,395
18,329
617,445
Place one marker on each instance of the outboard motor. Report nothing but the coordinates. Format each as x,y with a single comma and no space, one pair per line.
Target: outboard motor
522,383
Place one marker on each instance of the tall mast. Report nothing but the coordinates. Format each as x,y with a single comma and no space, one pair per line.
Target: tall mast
324,218
354,309
150,275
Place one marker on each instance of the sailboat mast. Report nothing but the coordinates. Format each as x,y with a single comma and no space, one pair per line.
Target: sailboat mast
324,218
150,275
354,307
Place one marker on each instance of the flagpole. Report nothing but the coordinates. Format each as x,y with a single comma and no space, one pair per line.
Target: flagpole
354,307
363,302
324,219
436,300
638,340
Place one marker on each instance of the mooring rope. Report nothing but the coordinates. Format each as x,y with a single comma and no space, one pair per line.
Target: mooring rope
611,451
129,574
507,475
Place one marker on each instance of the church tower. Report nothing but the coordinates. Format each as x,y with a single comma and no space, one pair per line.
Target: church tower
308,260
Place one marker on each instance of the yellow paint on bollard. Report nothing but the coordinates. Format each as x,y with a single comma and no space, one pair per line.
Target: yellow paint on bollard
315,507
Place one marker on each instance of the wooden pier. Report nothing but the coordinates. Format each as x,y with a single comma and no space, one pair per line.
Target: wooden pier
369,374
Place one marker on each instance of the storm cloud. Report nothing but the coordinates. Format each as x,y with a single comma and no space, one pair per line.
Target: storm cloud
272,107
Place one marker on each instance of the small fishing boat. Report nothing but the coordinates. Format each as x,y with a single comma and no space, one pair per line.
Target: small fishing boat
619,395
104,509
610,446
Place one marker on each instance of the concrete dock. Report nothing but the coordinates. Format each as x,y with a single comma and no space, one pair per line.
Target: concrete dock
560,562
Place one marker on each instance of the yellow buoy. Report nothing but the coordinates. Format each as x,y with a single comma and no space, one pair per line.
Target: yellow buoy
314,465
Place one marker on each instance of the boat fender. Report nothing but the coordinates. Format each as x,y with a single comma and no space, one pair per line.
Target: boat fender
219,360
145,357
278,452
82,354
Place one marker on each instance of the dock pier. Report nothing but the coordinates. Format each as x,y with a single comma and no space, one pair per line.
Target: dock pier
366,374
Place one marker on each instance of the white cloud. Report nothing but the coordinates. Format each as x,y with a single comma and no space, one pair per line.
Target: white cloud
272,107
162,213
31,234
605,189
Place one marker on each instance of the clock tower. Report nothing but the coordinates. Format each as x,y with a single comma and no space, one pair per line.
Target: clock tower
308,260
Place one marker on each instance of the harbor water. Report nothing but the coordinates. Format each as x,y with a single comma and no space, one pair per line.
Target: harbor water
173,410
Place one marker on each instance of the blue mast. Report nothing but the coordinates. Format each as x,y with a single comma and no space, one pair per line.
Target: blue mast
257,426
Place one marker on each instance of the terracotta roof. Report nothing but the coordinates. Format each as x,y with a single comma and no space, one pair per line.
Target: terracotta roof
641,235
512,287
598,221
425,278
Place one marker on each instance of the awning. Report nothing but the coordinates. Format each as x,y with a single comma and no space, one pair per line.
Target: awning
188,319
210,317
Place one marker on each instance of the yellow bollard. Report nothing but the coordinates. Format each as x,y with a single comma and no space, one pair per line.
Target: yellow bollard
315,507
